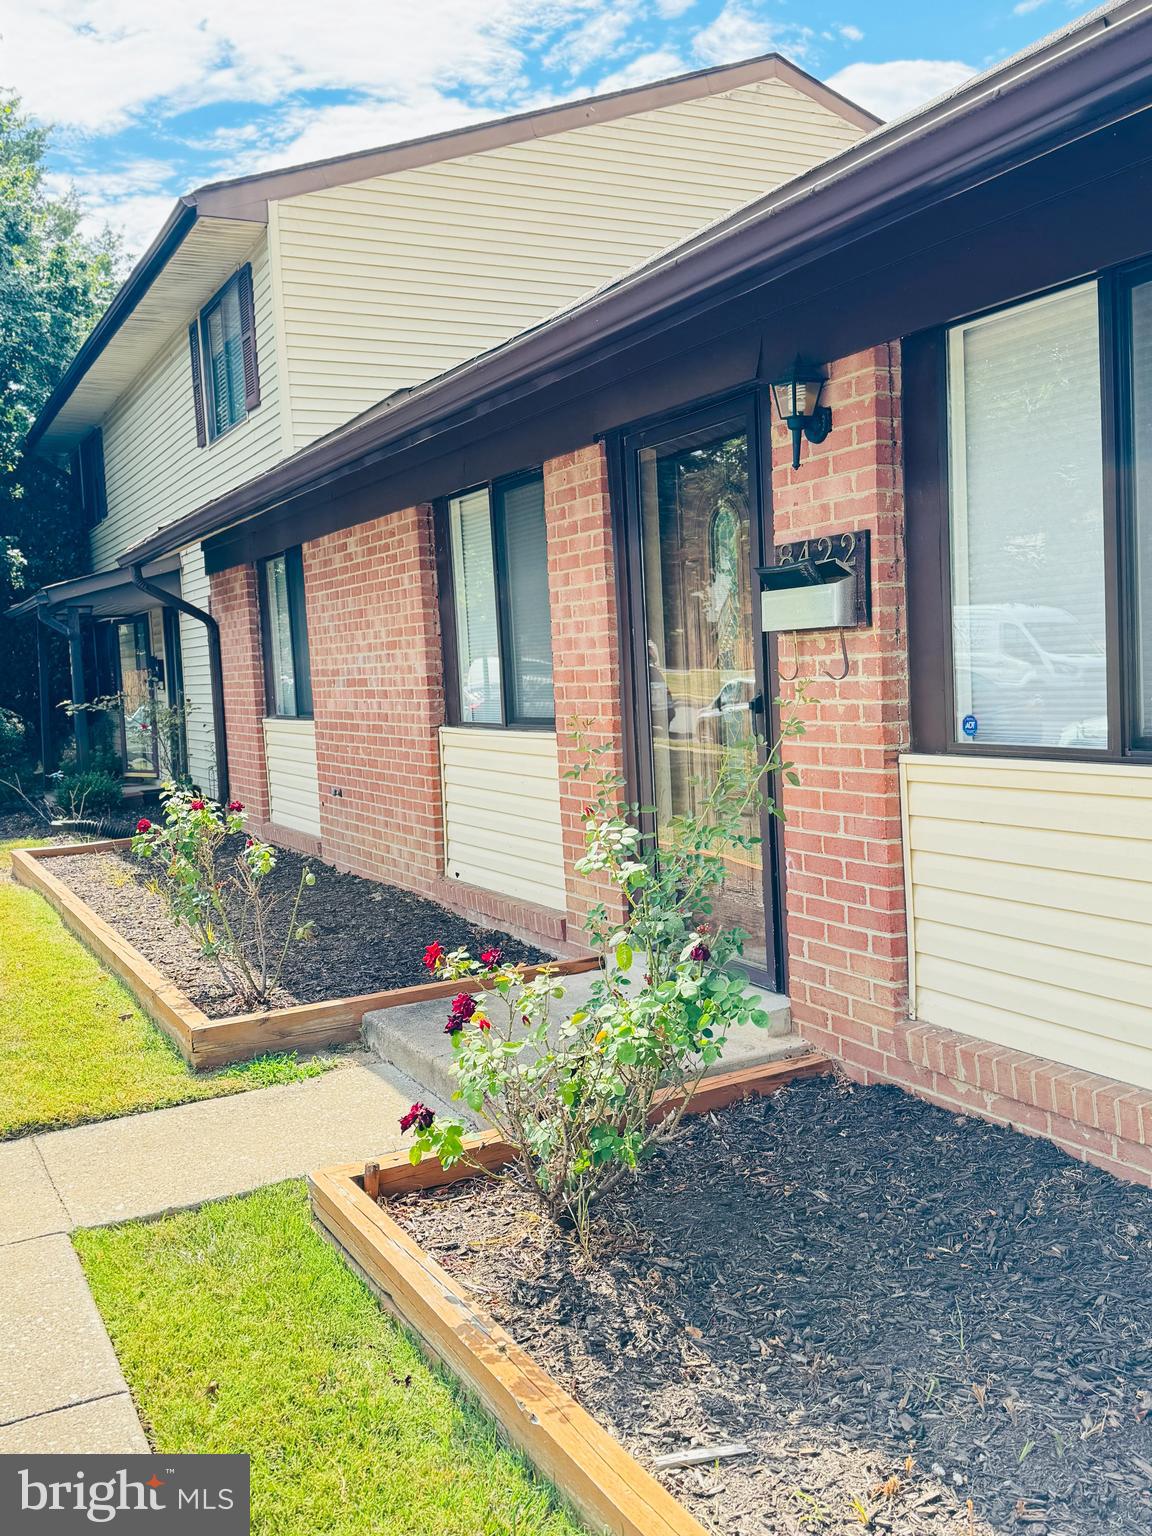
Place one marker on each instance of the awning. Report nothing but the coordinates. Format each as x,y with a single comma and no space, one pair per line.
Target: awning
104,594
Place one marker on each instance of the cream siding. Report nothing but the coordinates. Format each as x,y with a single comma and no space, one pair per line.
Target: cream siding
155,473
154,470
502,813
293,787
1030,906
388,282
197,674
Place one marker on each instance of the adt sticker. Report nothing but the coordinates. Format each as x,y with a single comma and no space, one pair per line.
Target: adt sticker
969,725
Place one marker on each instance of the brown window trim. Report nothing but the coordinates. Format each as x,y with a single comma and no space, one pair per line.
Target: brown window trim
446,598
926,491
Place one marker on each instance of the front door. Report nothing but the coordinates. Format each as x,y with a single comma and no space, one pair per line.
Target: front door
693,535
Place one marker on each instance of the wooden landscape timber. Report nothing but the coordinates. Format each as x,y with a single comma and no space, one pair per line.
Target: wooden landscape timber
607,1486
207,1043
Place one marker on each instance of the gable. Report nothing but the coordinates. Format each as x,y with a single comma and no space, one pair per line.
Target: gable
385,283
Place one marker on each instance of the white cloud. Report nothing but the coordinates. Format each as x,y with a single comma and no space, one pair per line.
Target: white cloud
596,39
127,198
639,71
96,64
1026,7
852,34
897,87
739,33
674,7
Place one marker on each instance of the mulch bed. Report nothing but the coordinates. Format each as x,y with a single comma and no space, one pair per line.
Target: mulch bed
367,937
899,1310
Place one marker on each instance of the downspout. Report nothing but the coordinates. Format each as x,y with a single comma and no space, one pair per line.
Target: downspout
215,666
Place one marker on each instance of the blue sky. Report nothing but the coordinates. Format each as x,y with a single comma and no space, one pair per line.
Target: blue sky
149,98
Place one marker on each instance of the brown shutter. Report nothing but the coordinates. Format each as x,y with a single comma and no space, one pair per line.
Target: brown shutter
248,338
197,383
99,493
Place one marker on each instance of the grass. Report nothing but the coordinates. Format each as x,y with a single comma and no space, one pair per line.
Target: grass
74,1045
239,1329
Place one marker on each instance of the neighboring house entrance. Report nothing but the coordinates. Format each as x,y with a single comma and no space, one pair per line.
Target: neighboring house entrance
692,536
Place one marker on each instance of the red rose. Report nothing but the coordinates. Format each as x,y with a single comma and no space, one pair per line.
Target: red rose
419,1116
234,805
143,825
463,1007
492,956
196,805
433,955
700,952
483,1023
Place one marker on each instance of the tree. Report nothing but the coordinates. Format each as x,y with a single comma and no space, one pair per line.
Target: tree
54,284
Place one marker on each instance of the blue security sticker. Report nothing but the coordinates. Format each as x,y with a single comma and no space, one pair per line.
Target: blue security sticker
969,725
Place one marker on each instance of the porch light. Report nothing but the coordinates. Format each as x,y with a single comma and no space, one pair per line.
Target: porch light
797,397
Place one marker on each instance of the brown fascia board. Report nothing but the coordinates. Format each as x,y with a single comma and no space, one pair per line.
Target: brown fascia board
248,196
957,143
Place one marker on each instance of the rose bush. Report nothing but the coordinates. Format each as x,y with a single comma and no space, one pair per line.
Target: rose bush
217,889
574,1095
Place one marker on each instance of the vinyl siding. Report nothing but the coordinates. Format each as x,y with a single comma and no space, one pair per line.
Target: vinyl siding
293,788
502,813
387,282
1030,906
197,674
153,469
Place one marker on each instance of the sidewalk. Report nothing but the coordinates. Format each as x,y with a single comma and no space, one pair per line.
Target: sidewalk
61,1388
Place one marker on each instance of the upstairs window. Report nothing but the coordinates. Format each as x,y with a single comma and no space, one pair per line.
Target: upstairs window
225,373
284,630
88,479
498,618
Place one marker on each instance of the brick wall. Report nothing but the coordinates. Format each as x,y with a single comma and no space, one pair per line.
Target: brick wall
377,682
847,943
847,950
585,645
235,608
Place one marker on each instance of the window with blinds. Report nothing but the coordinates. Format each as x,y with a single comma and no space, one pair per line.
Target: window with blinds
503,622
225,375
1027,525
284,632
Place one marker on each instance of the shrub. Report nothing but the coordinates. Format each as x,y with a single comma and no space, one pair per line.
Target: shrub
14,765
215,886
575,1097
88,796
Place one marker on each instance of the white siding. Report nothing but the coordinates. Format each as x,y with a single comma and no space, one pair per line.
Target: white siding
1030,906
387,282
502,813
293,788
155,473
197,674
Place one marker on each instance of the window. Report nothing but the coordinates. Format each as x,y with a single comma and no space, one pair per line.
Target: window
225,375
284,629
88,479
1027,525
499,613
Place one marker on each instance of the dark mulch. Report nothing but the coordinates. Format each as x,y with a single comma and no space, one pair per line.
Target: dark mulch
868,1291
367,937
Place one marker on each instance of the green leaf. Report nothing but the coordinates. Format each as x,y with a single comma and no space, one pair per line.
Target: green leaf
624,956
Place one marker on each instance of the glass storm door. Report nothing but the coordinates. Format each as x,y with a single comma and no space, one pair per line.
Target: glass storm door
695,541
142,690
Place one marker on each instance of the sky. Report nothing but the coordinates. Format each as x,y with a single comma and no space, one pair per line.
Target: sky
150,98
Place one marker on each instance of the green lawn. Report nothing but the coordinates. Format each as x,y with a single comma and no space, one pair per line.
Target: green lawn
239,1329
74,1045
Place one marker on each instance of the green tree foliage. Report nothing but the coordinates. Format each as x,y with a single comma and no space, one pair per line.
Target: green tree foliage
54,284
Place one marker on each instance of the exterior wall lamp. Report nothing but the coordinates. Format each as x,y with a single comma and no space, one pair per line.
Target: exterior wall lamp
797,397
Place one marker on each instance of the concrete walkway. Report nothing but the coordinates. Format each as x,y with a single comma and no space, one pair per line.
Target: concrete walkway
61,1388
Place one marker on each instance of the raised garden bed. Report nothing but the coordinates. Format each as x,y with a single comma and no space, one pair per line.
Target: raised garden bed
917,1323
366,954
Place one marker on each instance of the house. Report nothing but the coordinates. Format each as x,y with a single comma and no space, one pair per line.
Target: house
272,310
943,530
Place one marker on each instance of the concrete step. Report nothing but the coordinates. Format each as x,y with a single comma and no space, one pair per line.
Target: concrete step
411,1037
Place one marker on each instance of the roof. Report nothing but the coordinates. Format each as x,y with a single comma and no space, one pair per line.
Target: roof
103,594
212,229
992,121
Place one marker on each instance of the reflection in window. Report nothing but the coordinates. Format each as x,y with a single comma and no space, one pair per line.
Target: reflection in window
287,670
1027,525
